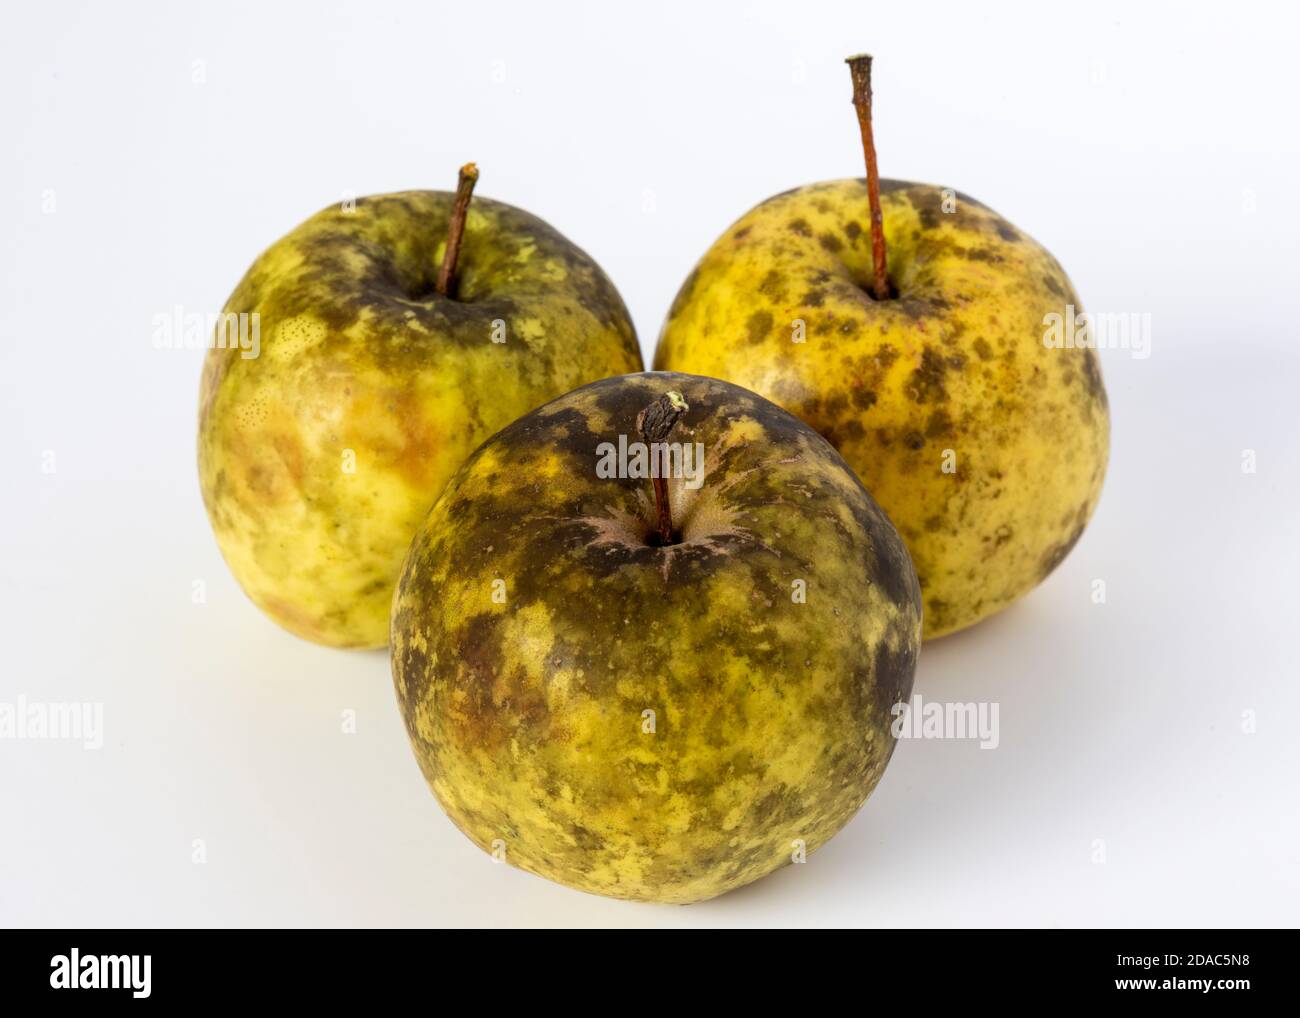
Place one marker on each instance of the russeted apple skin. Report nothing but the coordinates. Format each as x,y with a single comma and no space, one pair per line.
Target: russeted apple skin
772,717
954,374
319,458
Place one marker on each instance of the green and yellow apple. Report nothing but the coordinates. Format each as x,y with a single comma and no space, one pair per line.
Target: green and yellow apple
986,446
654,691
319,456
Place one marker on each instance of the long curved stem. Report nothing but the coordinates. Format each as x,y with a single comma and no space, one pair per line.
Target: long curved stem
456,228
860,68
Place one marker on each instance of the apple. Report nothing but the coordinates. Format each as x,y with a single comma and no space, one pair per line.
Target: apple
395,336
648,641
907,324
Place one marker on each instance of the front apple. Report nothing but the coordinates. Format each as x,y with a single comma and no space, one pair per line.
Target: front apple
655,691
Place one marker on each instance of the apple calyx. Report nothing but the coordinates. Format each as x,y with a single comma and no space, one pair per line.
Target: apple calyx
655,423
860,69
456,228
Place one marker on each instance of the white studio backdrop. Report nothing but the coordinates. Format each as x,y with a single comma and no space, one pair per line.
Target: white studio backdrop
1146,768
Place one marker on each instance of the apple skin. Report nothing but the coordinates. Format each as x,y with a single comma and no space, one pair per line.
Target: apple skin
772,718
363,366
956,363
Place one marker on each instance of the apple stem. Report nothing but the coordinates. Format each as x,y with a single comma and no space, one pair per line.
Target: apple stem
655,423
456,228
860,68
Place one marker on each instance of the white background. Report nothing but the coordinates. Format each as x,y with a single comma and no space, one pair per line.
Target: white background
1152,150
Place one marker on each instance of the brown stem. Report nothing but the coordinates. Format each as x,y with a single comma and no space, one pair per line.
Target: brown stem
456,228
655,423
860,68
